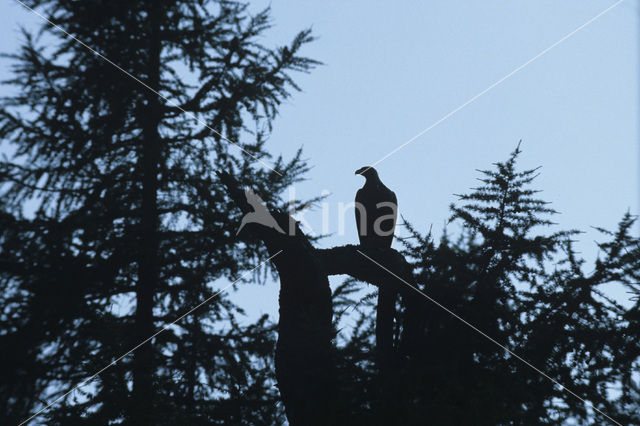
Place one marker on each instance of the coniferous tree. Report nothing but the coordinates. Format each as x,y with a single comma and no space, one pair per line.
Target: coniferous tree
113,223
526,289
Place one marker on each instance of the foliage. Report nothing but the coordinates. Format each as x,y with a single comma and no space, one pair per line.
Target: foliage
529,291
113,222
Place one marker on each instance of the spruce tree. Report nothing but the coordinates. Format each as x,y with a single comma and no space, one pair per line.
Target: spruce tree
114,223
523,286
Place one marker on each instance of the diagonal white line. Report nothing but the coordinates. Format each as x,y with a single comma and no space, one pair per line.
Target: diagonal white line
498,82
127,73
491,339
144,341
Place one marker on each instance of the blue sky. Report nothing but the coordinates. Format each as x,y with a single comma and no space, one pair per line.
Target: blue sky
391,69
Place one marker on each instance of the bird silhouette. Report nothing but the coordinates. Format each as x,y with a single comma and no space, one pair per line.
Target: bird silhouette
260,213
376,210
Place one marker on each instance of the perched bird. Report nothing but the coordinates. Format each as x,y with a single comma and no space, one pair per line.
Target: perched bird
376,210
260,213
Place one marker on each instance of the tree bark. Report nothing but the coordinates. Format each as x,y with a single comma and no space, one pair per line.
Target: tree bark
141,412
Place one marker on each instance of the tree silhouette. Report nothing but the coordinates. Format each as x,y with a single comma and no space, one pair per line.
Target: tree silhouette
119,212
546,322
527,290
113,223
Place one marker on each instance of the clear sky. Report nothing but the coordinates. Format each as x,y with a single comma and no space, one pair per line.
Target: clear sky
392,69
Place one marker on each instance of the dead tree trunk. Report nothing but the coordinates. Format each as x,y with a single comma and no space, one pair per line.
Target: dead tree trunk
304,359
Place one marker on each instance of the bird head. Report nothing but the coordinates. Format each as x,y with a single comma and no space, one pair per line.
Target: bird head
368,172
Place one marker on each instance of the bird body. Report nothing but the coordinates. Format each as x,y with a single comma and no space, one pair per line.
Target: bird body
376,211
